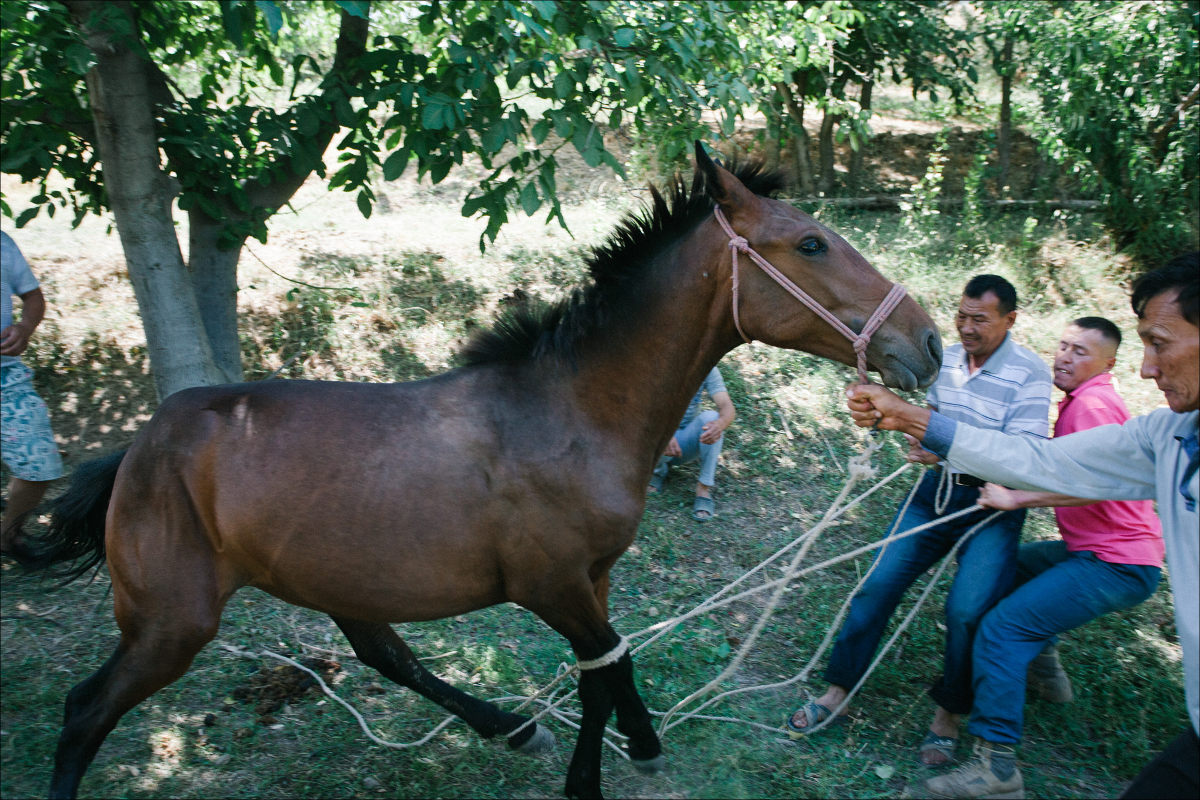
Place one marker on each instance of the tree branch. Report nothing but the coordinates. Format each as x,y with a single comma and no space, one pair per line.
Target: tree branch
351,45
1160,136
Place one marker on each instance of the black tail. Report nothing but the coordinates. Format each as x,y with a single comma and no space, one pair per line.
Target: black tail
75,542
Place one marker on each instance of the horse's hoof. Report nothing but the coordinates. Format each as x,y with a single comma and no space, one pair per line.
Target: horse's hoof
649,766
542,741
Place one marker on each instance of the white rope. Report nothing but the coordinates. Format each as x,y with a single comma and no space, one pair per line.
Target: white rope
945,488
609,658
860,469
803,674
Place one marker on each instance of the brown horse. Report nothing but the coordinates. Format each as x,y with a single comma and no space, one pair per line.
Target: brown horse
520,476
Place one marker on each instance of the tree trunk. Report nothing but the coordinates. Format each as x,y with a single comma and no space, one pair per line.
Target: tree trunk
1004,134
771,139
795,109
829,122
141,195
213,274
825,158
189,312
854,177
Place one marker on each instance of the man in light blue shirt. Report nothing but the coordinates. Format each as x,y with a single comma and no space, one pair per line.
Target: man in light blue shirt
1153,456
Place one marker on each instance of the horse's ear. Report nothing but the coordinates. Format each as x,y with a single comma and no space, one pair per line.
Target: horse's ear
718,182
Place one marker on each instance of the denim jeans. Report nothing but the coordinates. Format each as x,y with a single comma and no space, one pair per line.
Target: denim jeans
688,437
986,568
1063,591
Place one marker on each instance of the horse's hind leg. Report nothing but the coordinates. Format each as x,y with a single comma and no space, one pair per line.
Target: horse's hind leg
378,646
140,666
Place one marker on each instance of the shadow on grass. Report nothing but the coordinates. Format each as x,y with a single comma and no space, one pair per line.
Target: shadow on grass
365,325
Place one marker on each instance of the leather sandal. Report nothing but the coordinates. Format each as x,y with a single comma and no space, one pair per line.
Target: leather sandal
814,715
704,509
944,746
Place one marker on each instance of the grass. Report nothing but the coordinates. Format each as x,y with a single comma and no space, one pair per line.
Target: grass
409,285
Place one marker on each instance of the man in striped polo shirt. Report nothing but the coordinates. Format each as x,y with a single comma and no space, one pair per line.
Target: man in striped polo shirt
988,381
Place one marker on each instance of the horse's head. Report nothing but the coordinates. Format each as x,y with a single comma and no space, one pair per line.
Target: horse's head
906,349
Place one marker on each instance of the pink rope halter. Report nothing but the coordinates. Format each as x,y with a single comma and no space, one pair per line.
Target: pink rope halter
738,244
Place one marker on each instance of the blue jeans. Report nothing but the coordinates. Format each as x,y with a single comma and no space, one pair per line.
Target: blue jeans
986,568
688,437
1064,590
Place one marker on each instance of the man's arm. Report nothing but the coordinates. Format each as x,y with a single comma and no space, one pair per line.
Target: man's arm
15,338
1112,462
993,495
726,414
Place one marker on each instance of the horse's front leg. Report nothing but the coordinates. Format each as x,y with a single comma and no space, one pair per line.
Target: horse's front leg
605,682
596,695
633,720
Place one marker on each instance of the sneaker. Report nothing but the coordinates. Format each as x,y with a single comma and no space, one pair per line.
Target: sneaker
981,776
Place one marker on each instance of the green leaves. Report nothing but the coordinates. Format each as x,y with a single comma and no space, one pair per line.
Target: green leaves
1111,82
440,112
564,85
395,164
79,58
530,202
253,98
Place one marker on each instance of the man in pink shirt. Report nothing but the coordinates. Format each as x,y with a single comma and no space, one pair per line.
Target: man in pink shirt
1109,558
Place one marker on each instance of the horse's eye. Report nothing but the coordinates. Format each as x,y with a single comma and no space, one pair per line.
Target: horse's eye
811,246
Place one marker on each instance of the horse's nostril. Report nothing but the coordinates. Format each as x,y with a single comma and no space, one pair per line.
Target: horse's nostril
933,344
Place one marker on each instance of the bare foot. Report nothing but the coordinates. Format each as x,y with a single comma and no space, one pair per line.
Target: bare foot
945,726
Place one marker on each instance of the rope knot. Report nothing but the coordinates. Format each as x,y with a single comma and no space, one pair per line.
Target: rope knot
861,343
739,243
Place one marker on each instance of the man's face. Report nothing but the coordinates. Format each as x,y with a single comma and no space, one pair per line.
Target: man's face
1171,352
981,326
1083,353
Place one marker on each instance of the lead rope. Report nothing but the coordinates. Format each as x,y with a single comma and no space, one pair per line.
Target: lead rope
738,244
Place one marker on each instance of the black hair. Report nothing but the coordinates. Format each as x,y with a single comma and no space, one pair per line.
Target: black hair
1107,329
980,285
531,328
1183,273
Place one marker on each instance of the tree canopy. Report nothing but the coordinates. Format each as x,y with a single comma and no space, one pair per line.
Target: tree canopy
1118,85
97,91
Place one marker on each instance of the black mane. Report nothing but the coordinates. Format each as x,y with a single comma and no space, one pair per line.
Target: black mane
530,329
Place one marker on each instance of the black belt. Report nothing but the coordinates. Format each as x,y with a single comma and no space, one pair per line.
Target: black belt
962,478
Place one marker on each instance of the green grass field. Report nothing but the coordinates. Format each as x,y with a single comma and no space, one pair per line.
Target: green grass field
408,285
